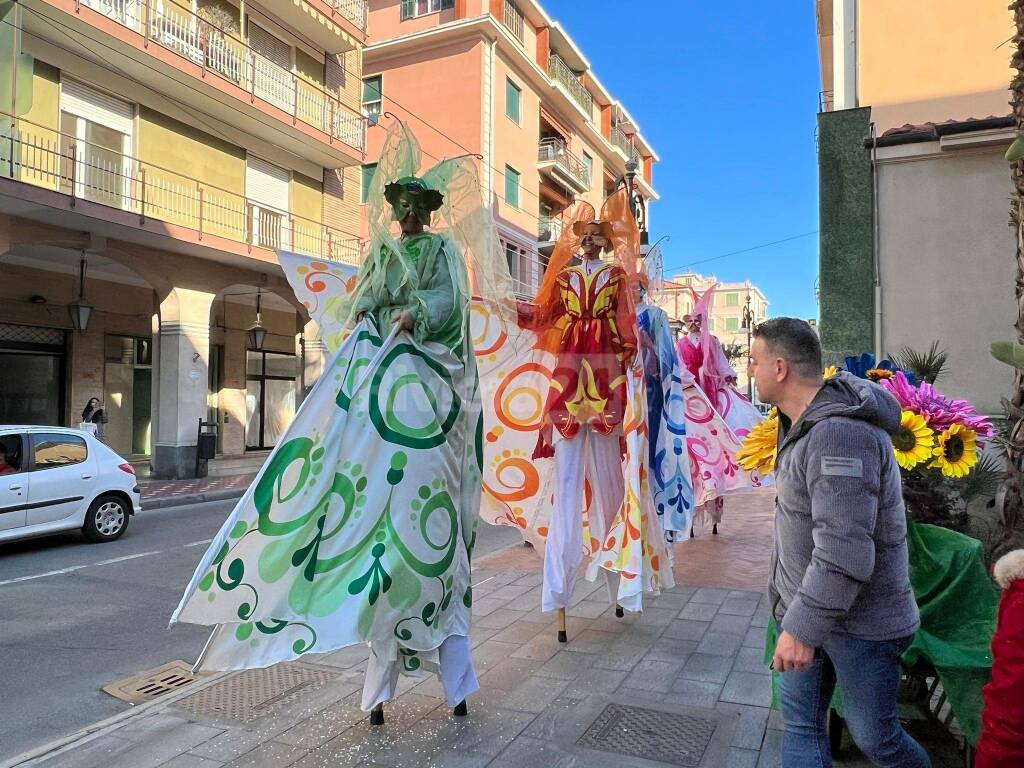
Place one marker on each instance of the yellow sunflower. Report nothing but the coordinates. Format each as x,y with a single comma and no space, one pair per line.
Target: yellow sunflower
913,441
957,451
831,371
758,450
877,374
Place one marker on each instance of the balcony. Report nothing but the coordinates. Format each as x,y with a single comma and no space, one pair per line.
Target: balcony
549,228
334,25
63,177
170,50
514,21
622,143
555,160
560,72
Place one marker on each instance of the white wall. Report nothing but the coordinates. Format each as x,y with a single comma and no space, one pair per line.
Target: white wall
947,261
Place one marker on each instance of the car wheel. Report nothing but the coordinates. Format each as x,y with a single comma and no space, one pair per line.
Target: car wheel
106,519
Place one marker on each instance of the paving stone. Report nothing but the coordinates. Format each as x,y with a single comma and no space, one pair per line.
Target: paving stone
541,648
236,742
760,618
566,665
527,601
534,694
594,682
520,632
486,655
748,688
657,617
527,752
750,660
345,658
271,755
730,625
699,611
654,676
622,657
737,607
707,668
741,758
591,641
588,609
711,595
93,754
498,619
191,761
720,644
771,750
530,579
693,693
755,638
775,722
671,600
671,649
687,629
323,726
751,723
509,674
482,606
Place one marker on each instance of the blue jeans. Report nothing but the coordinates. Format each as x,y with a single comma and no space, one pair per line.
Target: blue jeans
868,672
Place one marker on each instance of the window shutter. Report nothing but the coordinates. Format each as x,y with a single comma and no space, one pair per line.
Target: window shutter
95,106
408,9
266,184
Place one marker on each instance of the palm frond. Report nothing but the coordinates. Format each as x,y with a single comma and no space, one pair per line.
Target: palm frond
985,479
927,366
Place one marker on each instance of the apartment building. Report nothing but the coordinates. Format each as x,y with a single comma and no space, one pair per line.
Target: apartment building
167,152
913,123
505,81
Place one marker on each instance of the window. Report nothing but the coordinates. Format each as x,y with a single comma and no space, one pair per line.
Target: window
368,171
520,266
588,163
97,139
732,299
373,95
511,186
10,454
513,98
414,8
732,324
54,450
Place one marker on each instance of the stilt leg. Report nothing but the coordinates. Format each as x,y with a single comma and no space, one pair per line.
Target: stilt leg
714,529
461,710
377,715
691,532
562,636
619,613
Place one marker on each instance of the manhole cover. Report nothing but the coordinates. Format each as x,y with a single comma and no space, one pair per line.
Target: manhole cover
650,734
152,683
254,693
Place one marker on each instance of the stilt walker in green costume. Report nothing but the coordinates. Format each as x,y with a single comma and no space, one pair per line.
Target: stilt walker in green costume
361,524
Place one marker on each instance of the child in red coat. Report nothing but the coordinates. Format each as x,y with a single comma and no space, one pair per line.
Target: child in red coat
1002,732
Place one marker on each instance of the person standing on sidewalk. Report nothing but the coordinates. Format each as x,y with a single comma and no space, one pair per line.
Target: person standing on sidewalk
839,584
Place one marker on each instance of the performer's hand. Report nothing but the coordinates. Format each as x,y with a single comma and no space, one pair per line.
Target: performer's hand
791,655
404,320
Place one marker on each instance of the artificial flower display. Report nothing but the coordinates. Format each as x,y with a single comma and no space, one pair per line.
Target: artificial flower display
957,451
914,442
760,445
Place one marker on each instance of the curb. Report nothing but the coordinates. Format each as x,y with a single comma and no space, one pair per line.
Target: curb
103,727
191,498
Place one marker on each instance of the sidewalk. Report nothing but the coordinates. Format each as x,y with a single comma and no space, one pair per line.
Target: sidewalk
682,684
158,494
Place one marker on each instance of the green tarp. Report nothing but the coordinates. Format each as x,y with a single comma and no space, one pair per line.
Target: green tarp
958,604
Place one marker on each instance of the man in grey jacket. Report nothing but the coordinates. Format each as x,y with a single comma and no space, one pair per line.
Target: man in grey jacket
839,583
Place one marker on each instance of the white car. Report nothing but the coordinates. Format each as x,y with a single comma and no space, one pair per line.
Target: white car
55,479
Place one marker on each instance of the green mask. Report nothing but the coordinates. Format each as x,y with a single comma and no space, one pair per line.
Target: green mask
412,195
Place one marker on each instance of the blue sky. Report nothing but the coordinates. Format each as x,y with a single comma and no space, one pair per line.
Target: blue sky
726,93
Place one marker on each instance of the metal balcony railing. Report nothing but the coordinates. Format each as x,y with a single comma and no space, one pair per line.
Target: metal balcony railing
826,101
355,11
513,19
554,150
549,228
620,140
57,161
224,54
561,73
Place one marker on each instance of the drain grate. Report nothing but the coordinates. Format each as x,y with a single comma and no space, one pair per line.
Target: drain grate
650,734
254,693
152,683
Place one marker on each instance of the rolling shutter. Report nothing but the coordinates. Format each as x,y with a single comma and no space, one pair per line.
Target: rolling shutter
266,184
97,107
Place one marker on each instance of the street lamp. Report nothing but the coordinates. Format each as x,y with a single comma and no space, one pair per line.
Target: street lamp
257,334
81,310
748,326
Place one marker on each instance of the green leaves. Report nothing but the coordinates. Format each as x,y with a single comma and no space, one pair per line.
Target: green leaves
1009,353
1016,150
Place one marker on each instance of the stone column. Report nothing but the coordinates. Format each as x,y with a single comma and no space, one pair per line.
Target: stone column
184,351
314,358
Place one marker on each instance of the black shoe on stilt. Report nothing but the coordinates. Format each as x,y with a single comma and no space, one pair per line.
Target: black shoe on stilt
714,529
619,613
461,710
691,532
377,715
562,636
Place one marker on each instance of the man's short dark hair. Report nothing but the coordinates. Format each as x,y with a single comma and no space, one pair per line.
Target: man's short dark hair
795,342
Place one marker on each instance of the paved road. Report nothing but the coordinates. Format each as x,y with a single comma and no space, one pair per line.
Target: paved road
76,616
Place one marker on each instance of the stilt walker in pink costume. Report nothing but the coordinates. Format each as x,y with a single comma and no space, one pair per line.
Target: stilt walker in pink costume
703,356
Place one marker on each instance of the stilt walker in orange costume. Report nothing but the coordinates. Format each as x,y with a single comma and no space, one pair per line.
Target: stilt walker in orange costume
586,322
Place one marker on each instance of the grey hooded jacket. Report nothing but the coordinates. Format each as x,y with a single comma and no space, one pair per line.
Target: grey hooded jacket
840,556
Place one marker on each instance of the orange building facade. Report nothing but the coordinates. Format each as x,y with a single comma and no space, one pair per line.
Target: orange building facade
504,81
